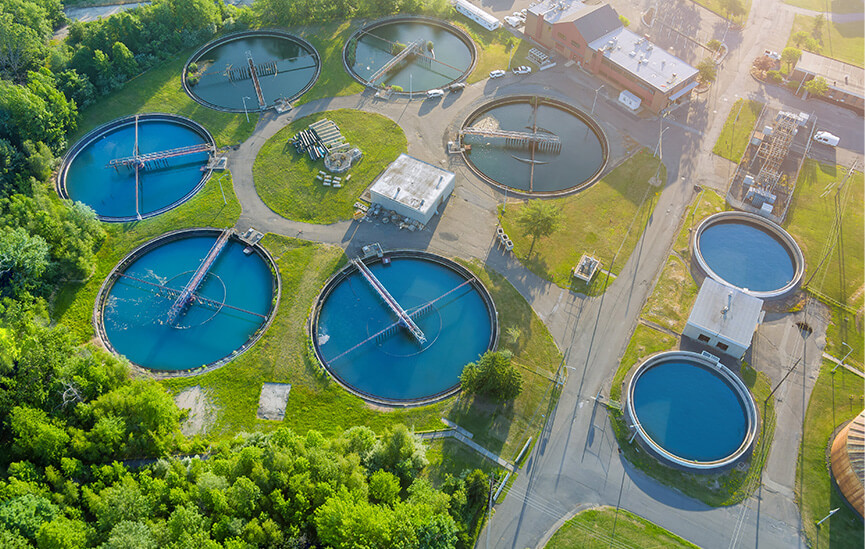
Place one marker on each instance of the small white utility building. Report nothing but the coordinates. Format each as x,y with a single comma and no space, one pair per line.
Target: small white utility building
724,318
478,15
412,188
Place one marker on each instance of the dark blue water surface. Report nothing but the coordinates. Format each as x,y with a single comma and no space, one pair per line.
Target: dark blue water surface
690,411
111,193
458,331
746,256
134,314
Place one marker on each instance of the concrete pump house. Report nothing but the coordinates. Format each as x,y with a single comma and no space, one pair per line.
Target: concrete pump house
413,188
724,318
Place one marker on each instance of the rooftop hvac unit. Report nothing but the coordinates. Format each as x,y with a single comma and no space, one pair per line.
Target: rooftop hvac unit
650,46
632,53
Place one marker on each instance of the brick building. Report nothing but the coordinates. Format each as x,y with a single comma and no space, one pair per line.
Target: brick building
594,38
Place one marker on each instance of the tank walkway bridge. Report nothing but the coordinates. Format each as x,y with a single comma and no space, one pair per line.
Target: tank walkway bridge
388,330
174,293
138,161
415,48
188,293
142,161
546,142
404,318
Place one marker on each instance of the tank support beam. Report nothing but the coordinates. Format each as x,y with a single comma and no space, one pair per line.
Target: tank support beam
404,319
187,294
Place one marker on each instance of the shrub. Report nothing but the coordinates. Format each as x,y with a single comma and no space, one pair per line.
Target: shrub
493,376
775,77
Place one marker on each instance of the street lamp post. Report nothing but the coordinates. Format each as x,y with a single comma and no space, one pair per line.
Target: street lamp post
832,512
845,356
596,98
244,108
658,148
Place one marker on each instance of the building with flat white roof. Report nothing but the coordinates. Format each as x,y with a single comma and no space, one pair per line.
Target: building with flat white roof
412,188
724,318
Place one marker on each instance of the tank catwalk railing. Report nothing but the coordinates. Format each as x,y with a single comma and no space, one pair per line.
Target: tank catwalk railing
186,295
140,160
253,72
404,319
545,142
175,293
389,330
411,48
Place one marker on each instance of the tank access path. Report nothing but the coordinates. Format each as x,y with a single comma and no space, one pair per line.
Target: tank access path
404,318
186,295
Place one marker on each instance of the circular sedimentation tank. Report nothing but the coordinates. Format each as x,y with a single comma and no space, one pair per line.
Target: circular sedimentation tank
534,146
750,253
228,312
691,411
99,169
285,67
362,343
439,54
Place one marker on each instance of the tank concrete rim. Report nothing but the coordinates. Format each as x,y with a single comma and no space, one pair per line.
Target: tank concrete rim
453,29
276,33
761,222
165,238
91,136
733,382
585,118
312,325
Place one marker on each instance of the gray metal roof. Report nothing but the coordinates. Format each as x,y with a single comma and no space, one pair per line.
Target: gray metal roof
840,75
637,55
597,21
413,182
726,311
557,11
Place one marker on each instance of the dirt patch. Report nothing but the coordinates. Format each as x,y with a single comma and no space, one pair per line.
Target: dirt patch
201,411
271,403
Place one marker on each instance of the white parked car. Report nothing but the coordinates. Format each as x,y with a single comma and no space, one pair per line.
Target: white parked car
430,94
513,21
457,86
522,69
827,138
498,73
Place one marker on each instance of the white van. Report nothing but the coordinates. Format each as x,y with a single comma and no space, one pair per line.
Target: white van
827,138
431,94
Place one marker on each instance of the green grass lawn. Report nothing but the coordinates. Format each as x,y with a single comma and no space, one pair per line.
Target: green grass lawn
846,327
593,529
595,221
836,399
645,341
494,48
73,305
329,39
737,129
317,402
707,203
717,6
160,90
674,295
834,6
810,220
286,181
841,41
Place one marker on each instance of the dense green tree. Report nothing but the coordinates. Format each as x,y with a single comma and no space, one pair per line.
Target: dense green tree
384,487
21,48
62,533
707,71
36,437
816,87
23,260
539,218
400,452
24,515
130,535
791,57
492,376
800,38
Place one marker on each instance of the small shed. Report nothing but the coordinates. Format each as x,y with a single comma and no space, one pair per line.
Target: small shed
412,188
724,318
